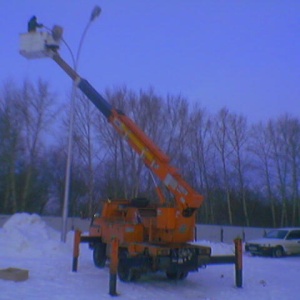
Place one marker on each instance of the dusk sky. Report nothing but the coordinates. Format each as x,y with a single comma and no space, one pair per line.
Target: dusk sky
242,54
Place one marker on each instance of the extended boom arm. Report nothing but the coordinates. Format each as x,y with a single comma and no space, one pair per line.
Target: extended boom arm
186,198
44,44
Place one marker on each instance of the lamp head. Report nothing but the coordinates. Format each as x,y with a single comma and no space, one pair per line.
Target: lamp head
95,13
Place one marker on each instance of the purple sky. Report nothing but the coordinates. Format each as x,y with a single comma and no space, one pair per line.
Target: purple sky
241,54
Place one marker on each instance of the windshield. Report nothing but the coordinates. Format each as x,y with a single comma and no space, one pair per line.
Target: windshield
276,234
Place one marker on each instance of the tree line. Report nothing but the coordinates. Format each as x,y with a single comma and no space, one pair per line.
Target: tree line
248,173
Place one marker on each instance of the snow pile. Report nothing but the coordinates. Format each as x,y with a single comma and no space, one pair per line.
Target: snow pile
28,235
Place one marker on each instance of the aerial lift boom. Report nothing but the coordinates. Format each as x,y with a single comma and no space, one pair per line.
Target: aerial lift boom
151,237
187,199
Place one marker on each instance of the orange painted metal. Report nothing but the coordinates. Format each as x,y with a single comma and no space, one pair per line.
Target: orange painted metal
152,224
157,161
238,262
77,239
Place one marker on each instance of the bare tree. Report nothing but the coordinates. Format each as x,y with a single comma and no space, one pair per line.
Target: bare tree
222,144
88,146
116,152
238,138
177,125
24,115
147,111
202,156
294,153
288,131
11,144
279,155
35,103
261,147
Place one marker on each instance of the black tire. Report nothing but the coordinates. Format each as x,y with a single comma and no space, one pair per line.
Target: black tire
278,252
177,275
125,272
99,255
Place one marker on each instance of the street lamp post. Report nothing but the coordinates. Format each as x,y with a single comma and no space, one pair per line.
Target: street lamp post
95,13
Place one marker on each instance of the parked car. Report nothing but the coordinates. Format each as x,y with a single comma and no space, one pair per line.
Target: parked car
277,243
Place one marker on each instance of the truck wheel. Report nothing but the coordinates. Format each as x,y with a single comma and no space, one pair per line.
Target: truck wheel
278,252
124,272
127,274
177,275
99,255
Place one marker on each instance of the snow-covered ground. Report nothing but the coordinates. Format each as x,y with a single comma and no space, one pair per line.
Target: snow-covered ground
26,242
